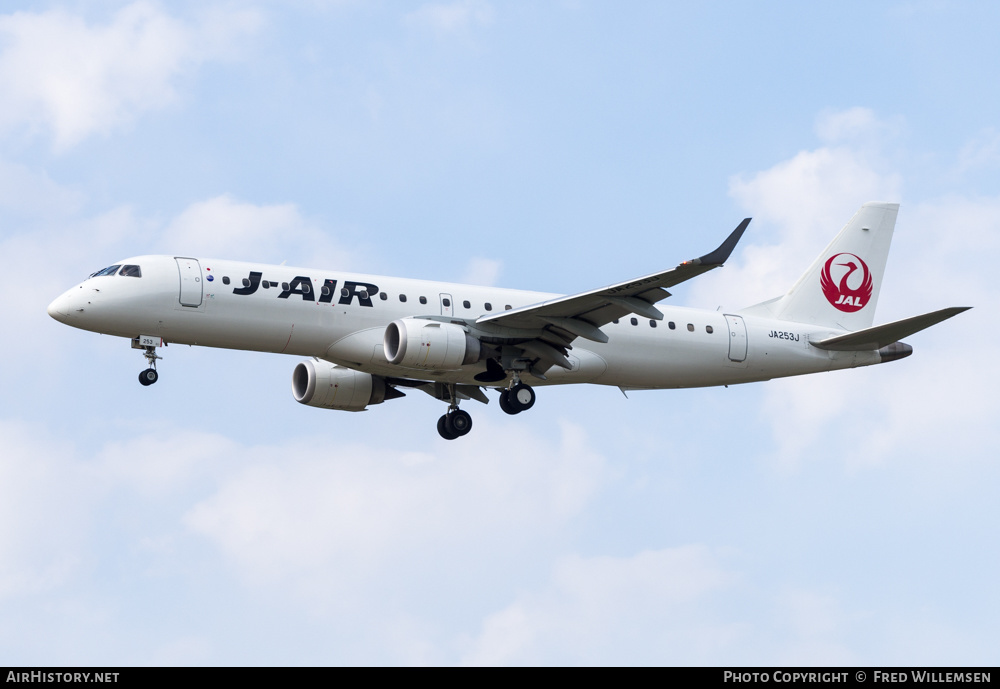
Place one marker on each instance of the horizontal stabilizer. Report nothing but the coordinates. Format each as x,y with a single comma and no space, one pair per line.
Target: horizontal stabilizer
883,335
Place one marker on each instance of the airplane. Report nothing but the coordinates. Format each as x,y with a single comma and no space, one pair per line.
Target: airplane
369,338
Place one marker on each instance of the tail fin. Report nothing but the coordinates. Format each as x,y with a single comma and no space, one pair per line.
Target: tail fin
840,289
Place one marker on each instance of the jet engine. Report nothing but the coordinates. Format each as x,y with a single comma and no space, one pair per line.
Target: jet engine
417,343
322,384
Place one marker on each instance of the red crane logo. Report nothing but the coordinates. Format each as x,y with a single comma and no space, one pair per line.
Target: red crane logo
841,294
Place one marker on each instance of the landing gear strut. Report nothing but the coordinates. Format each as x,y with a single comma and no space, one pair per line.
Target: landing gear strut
456,422
150,376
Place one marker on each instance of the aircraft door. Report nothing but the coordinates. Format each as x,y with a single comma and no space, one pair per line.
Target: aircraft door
191,285
447,305
737,338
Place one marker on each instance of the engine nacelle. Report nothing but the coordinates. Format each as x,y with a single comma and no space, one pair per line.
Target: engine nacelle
417,343
322,384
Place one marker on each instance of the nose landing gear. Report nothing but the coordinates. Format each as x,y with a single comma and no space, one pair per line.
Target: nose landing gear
150,376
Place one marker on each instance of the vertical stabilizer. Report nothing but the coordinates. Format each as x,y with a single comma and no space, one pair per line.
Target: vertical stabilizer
840,289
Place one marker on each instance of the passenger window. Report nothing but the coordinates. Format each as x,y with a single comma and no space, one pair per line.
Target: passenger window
131,272
363,295
671,325
284,286
325,289
383,296
402,297
446,302
690,327
246,283
225,280
489,306
344,292
709,329
423,300
652,324
466,304
506,307
265,284
615,321
634,321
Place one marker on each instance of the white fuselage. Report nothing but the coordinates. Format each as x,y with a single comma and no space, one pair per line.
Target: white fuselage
346,325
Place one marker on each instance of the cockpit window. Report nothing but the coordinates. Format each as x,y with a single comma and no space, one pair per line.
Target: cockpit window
110,270
131,271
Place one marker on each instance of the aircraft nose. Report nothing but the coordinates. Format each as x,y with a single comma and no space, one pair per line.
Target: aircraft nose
60,307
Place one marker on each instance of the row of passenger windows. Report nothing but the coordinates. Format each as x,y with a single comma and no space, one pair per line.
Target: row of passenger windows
344,292
446,302
670,324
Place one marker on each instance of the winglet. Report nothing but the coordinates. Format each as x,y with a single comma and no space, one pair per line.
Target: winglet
721,255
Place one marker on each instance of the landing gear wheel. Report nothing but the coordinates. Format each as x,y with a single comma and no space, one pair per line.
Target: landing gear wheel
522,396
454,424
506,405
149,376
460,421
444,428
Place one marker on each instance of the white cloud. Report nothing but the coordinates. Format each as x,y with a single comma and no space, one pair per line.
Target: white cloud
599,609
223,227
816,625
816,190
983,151
314,520
452,18
805,201
160,464
60,74
482,271
44,504
858,126
34,194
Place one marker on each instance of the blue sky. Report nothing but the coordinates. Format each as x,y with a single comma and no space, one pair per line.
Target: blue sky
845,518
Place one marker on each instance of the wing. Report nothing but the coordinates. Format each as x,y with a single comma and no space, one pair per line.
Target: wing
542,332
582,315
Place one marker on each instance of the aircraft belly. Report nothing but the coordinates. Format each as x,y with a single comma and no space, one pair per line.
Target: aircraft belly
671,363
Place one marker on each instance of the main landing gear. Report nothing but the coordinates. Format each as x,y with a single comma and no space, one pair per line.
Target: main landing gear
518,397
513,400
454,424
150,376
